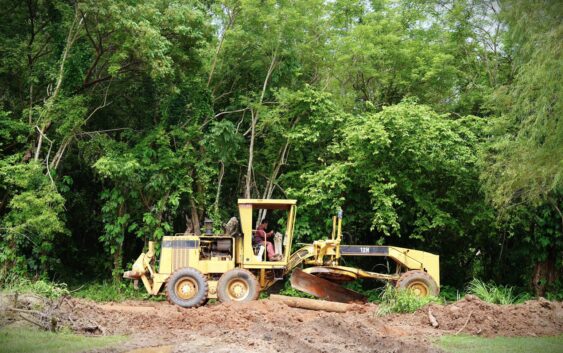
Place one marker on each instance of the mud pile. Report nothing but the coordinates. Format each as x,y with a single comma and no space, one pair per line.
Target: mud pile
473,316
264,326
271,326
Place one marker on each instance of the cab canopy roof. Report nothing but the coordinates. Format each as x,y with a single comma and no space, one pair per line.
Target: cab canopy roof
269,204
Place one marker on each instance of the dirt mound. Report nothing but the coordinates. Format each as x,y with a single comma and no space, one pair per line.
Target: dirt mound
265,326
271,326
473,316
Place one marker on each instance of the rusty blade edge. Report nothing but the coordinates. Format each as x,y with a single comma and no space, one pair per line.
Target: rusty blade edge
324,289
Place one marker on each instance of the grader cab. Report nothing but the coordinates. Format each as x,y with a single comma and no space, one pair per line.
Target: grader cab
231,267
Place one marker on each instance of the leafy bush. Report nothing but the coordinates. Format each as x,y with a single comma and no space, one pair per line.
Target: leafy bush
292,292
492,293
450,294
556,296
397,300
106,291
40,287
373,295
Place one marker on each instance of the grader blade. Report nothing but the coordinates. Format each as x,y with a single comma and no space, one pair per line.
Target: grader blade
323,289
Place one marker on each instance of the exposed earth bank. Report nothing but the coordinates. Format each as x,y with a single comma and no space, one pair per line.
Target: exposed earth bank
271,326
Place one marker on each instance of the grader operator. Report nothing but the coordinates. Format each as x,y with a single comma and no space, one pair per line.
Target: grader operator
232,267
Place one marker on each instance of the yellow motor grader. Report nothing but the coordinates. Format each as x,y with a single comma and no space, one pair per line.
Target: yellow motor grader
230,267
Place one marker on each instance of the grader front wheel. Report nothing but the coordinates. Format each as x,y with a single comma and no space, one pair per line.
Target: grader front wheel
238,285
187,287
419,282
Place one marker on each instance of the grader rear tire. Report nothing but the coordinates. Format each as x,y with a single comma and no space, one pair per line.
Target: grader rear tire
238,285
187,287
419,282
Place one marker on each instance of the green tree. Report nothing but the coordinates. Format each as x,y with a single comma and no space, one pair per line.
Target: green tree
405,171
524,160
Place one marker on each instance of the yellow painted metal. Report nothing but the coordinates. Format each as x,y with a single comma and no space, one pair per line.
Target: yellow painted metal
172,258
333,234
409,259
289,232
158,281
212,289
147,283
348,273
324,255
245,212
239,246
237,289
271,204
246,206
417,260
419,288
186,288
299,257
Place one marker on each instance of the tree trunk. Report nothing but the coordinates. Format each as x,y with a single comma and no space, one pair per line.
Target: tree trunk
218,195
117,260
255,114
71,38
232,16
118,253
271,183
195,217
545,273
312,304
250,155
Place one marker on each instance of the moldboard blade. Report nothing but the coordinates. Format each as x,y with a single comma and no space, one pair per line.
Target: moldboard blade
323,289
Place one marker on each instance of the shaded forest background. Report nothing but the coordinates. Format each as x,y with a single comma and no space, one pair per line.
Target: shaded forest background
434,124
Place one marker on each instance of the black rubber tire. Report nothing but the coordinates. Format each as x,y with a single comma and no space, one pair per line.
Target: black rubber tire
194,275
410,279
242,276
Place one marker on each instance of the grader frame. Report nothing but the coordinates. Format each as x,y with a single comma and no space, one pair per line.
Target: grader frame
194,268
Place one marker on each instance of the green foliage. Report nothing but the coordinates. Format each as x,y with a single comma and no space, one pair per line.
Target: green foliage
388,54
289,291
106,291
450,294
373,295
396,300
394,173
555,296
43,288
522,163
32,220
492,293
433,125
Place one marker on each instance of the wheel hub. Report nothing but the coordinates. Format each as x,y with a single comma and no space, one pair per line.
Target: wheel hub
419,289
186,288
238,290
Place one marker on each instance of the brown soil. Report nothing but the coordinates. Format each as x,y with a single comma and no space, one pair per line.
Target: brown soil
269,326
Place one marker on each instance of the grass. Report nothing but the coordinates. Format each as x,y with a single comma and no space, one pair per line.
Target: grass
395,300
492,293
289,291
97,291
450,294
107,291
40,287
473,344
29,340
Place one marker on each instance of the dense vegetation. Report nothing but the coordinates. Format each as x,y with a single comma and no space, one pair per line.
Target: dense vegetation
433,124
